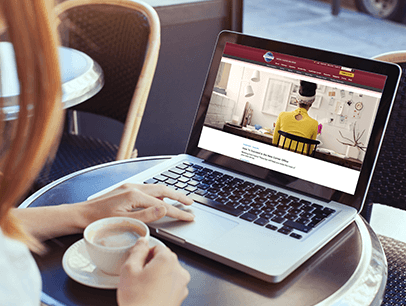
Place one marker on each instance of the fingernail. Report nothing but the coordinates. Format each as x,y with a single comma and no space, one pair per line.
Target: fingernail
159,211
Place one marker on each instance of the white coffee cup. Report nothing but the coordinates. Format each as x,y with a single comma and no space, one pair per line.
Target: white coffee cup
109,240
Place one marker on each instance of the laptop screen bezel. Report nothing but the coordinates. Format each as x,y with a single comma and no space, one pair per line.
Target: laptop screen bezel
391,71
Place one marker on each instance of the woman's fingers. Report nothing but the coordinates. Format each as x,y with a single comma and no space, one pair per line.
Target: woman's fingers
149,214
154,213
144,202
165,259
155,279
177,213
152,196
137,257
161,192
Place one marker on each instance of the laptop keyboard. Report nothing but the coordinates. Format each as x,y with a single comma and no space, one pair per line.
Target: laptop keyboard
262,206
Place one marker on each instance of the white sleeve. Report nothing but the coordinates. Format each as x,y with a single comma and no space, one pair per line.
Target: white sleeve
20,279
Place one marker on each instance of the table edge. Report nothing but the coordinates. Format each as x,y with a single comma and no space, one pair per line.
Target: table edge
37,194
372,263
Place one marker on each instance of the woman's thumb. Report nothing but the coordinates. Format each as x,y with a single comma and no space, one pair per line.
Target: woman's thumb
138,256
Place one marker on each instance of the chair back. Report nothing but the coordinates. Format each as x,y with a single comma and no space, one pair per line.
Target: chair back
297,144
388,185
123,37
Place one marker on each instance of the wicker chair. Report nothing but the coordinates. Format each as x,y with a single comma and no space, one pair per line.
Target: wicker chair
388,185
123,37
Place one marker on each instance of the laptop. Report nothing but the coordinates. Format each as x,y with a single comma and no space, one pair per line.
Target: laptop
259,208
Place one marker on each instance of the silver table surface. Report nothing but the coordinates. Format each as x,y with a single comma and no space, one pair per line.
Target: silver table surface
81,77
350,270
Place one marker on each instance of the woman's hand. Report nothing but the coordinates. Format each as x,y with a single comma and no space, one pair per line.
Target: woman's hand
152,277
144,202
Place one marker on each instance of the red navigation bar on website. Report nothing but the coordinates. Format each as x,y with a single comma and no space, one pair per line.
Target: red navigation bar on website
306,66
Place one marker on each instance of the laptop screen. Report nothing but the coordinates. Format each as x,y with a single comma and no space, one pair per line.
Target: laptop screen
255,93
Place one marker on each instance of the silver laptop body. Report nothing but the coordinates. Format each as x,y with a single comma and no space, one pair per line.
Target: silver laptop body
271,244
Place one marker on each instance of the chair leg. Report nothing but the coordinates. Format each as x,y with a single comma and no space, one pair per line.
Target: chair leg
335,8
72,122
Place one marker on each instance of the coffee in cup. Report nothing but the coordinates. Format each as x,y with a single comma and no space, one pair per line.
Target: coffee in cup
109,240
118,235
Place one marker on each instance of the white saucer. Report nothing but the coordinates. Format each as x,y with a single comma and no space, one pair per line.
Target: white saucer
79,266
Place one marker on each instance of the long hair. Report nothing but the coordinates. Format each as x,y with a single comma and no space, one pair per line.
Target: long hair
25,143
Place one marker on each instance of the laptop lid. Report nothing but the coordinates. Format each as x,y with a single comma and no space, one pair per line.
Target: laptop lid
252,80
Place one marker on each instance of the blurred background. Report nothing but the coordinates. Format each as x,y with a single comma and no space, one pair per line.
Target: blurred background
312,23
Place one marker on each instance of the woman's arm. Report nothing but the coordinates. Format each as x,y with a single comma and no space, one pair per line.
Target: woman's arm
128,200
315,129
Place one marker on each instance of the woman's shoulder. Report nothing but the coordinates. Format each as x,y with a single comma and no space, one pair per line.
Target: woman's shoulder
285,113
314,121
311,122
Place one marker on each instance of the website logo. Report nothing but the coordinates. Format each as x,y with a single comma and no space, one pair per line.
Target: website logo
268,57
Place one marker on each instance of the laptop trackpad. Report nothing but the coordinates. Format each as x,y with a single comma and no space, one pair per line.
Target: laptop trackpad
205,228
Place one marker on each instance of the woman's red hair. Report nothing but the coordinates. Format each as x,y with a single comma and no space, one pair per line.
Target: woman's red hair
31,26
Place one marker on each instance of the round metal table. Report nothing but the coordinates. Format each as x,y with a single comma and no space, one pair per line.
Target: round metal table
81,77
350,270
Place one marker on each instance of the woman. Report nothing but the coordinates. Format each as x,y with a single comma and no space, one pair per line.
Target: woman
298,122
149,277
